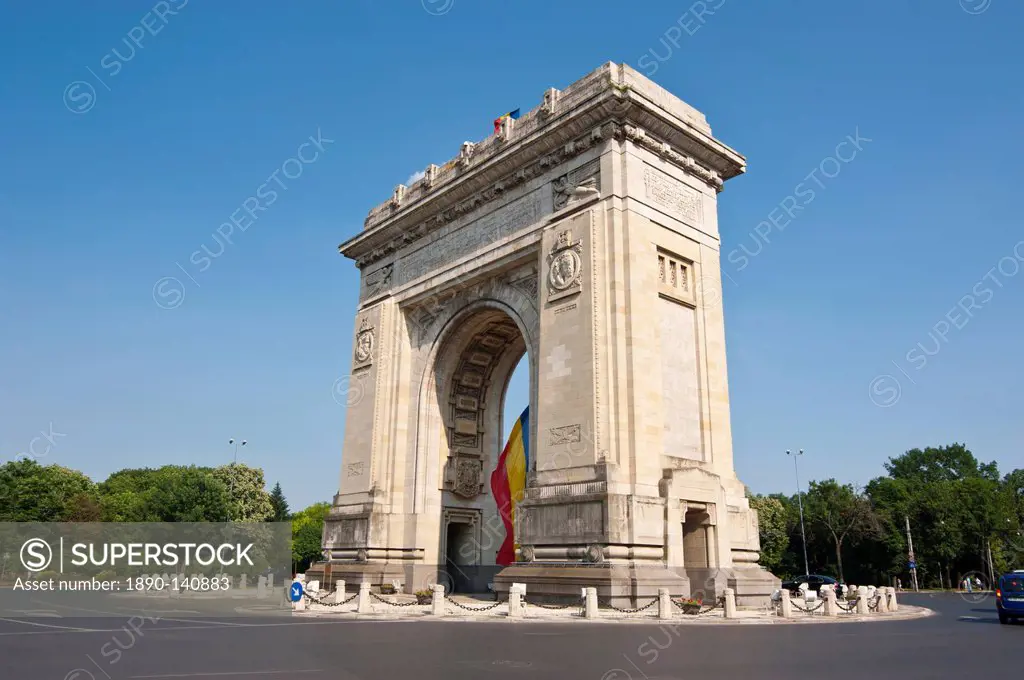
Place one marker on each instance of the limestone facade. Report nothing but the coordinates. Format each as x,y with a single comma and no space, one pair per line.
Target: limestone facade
585,236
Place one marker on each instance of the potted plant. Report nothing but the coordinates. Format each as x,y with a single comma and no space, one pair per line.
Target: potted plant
424,596
388,589
690,606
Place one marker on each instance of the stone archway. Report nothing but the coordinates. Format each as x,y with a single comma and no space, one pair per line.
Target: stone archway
585,234
459,435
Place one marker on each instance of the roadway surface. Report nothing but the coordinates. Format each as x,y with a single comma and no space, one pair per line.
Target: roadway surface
964,639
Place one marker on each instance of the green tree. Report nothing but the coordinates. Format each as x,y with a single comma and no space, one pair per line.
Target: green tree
307,535
30,492
773,530
172,493
249,500
840,512
280,504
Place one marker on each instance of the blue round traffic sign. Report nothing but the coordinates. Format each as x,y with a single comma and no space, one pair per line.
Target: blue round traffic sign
295,592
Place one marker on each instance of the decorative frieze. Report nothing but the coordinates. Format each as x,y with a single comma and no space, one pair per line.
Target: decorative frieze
669,193
489,229
564,153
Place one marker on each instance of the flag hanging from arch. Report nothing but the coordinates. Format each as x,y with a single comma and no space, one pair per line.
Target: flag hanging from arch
508,481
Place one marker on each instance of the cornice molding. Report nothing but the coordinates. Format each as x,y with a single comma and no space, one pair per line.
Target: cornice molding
613,102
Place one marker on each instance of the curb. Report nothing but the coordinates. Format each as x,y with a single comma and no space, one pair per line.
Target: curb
905,613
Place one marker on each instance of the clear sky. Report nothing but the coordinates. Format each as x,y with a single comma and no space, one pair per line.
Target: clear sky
120,160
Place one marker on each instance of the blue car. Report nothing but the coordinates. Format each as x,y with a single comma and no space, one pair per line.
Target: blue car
1010,596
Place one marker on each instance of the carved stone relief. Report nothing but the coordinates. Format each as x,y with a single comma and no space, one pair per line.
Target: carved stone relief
364,343
565,267
570,434
464,474
377,281
671,194
577,185
471,380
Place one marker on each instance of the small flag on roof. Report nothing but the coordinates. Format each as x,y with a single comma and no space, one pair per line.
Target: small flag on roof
514,115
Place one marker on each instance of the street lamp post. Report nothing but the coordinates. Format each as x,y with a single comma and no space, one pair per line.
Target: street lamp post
800,502
234,462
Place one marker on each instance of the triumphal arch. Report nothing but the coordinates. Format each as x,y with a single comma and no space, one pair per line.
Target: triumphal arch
583,235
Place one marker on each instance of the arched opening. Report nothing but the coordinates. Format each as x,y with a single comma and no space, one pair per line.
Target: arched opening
481,384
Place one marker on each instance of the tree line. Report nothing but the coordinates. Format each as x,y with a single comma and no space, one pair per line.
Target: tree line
960,512
30,492
964,517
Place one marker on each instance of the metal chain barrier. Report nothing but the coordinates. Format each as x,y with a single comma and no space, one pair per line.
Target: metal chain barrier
809,610
720,602
328,604
394,604
550,606
851,608
638,609
474,609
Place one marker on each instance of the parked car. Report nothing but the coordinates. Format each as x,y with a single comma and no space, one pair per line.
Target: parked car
814,582
1010,596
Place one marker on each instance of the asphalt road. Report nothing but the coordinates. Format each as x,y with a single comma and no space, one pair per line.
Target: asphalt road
963,640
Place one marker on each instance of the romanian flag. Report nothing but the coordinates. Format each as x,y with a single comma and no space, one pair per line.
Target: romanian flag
508,482
497,121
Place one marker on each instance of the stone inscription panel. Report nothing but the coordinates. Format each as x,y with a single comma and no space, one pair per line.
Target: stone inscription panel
466,239
671,194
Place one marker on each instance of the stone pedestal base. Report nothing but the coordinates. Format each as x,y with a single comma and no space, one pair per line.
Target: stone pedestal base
752,584
354,573
621,585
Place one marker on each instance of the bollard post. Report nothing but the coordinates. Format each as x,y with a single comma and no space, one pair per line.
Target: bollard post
862,600
883,600
893,604
243,582
830,603
339,592
787,604
364,598
664,604
437,604
730,603
261,588
515,602
301,604
590,606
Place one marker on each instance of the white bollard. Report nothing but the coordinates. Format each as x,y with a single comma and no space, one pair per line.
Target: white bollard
313,587
664,604
883,600
590,608
243,582
830,602
300,605
339,592
893,604
787,604
515,602
364,598
862,600
730,603
437,604
261,587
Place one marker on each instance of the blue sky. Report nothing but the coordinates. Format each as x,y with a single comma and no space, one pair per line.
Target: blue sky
107,190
